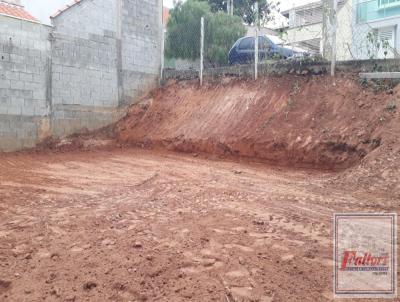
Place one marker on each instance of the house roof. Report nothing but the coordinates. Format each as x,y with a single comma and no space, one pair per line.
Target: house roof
165,15
64,8
16,11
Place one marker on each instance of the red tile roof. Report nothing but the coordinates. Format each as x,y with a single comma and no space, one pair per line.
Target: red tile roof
15,11
165,15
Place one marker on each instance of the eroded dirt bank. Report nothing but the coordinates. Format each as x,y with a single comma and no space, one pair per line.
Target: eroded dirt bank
303,121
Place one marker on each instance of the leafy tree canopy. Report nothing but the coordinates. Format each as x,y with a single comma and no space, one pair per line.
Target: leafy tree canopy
221,32
246,9
183,29
183,32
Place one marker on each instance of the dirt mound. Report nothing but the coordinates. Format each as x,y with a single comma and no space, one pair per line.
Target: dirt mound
291,120
103,138
379,171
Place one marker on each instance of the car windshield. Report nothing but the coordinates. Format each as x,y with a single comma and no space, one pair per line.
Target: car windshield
276,40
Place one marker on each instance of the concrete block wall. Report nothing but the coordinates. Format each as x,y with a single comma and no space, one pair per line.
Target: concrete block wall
99,56
24,75
86,18
84,67
141,36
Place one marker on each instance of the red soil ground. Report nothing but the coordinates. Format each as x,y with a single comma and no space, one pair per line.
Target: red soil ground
245,216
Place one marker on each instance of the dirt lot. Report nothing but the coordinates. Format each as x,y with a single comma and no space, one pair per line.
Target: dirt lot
133,225
116,215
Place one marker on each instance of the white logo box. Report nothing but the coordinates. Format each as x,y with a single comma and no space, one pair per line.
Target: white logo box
365,255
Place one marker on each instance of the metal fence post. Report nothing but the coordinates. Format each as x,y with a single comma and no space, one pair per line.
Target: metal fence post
325,32
334,31
256,44
162,54
162,46
201,50
229,7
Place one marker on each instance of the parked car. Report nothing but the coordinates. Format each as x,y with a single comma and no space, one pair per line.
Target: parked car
242,51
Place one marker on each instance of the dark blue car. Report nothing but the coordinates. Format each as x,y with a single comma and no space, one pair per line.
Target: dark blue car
242,52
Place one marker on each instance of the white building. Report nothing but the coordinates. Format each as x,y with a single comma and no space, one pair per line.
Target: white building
366,28
376,28
305,26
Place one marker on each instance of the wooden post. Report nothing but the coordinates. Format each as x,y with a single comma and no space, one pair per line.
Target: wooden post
201,50
231,6
334,30
228,7
256,44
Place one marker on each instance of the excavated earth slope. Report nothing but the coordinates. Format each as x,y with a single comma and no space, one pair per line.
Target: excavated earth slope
294,121
303,121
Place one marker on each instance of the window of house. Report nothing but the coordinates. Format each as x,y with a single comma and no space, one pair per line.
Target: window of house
388,3
386,38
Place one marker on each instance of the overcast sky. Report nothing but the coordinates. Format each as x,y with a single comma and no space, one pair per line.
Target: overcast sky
43,9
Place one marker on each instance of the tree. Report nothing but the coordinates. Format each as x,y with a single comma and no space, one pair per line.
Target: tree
221,32
183,29
183,32
246,9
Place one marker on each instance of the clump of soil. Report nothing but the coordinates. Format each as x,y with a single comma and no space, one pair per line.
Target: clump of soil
298,121
103,138
4,286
